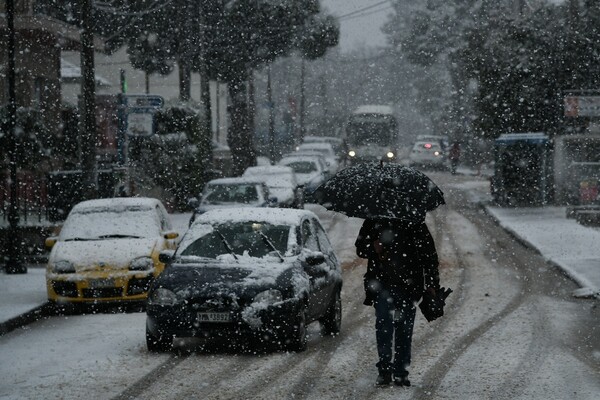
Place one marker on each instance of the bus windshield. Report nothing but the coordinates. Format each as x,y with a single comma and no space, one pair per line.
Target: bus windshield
376,129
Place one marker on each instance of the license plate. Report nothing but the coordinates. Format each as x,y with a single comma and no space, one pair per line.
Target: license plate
102,283
214,317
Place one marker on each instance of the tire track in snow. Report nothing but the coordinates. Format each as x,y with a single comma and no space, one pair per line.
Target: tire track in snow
435,375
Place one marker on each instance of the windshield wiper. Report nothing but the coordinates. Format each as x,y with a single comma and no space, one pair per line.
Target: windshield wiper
270,244
78,239
118,236
226,243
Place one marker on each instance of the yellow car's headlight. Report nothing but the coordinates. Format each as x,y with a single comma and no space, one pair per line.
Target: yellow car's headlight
63,267
141,264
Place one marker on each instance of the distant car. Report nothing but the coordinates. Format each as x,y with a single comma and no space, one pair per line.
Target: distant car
427,154
233,192
108,250
311,170
282,184
325,149
247,273
441,139
336,142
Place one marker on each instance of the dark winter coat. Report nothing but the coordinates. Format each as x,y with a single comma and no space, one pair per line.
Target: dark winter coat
410,263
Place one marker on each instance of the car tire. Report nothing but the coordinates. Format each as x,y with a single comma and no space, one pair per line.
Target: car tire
298,341
331,323
158,344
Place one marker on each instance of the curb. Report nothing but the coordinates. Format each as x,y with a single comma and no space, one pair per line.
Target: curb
26,318
528,244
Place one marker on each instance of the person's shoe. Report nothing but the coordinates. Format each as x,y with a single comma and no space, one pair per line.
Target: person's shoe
401,381
384,378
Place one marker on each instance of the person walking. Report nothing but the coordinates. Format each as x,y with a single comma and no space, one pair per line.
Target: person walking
454,156
402,264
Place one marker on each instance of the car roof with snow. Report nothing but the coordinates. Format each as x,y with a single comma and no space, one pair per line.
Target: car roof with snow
241,180
374,109
322,139
117,203
310,157
316,146
276,216
268,170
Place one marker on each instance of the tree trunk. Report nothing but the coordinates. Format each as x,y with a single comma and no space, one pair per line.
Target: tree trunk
240,135
185,72
205,100
88,133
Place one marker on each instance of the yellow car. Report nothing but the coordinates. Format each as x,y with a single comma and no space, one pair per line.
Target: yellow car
107,251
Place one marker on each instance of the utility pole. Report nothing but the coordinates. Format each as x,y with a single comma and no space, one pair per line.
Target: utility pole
88,87
302,104
271,117
14,262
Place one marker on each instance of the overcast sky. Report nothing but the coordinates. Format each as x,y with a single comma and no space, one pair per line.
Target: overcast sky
363,28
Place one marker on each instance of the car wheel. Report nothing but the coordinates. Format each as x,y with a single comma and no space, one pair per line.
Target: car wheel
158,344
298,341
331,323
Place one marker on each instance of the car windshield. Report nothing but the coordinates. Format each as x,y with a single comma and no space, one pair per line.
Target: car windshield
97,224
303,167
242,193
244,238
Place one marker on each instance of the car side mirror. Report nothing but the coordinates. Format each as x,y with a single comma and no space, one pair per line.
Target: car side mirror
193,203
166,256
50,242
272,201
171,235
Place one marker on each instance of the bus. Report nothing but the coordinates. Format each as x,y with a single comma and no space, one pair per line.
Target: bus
371,134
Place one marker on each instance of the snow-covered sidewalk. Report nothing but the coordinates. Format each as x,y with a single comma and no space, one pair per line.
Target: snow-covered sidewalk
562,242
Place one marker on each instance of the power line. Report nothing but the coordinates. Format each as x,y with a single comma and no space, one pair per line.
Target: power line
362,9
369,13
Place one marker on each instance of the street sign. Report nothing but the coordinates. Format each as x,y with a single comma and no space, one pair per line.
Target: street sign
143,101
139,123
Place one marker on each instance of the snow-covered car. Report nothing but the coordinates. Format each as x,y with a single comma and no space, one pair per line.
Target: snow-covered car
245,273
282,184
336,142
311,170
324,149
427,154
233,192
108,251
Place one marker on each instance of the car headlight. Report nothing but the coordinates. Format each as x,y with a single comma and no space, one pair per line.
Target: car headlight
268,297
63,267
390,154
436,153
141,264
163,297
352,153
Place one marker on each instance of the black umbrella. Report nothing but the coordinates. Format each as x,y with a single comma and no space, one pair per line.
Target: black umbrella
380,190
432,307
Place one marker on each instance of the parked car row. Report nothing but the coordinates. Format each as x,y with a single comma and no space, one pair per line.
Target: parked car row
243,272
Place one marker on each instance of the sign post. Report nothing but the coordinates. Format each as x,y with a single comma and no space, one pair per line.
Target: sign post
136,119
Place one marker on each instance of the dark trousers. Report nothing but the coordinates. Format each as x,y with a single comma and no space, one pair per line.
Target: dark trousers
394,325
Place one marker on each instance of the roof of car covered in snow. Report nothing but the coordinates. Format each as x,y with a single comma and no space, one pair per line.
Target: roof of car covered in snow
240,180
267,170
117,203
275,216
374,109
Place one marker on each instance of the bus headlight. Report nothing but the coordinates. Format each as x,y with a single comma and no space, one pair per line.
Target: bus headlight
352,153
390,154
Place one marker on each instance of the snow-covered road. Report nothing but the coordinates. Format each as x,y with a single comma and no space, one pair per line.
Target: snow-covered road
512,330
